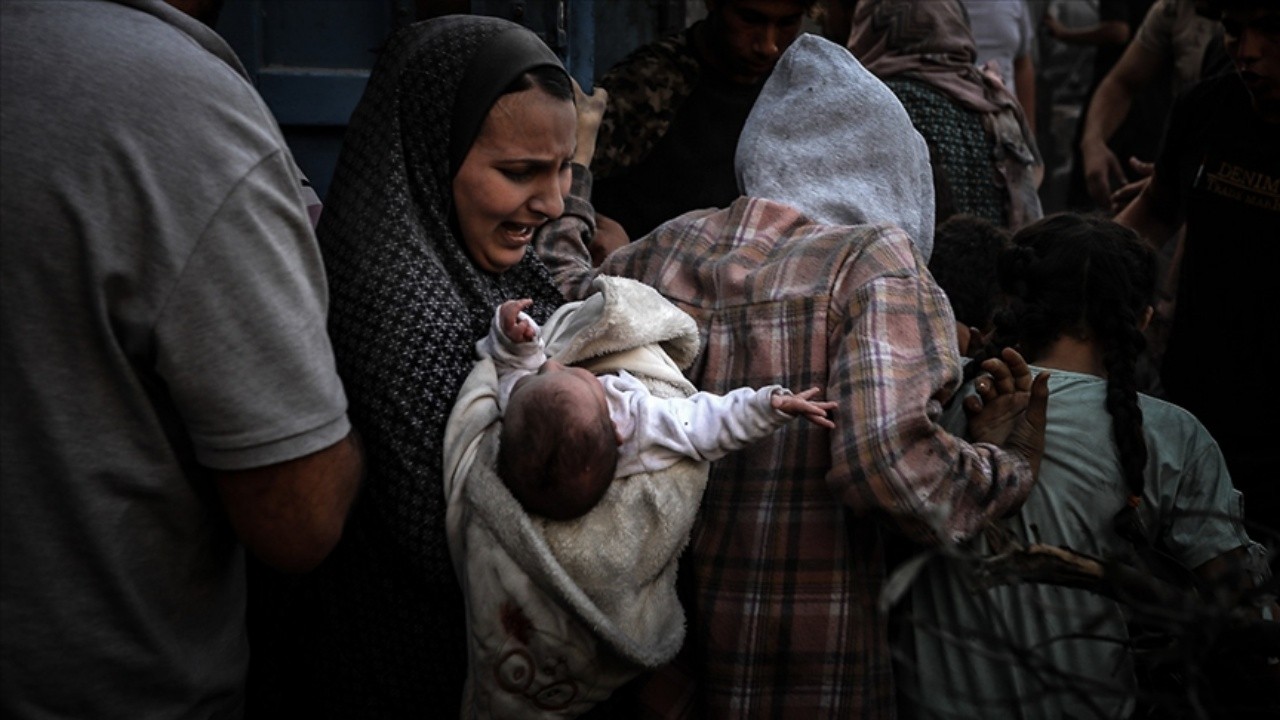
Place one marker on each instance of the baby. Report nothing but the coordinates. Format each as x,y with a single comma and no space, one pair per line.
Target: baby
568,433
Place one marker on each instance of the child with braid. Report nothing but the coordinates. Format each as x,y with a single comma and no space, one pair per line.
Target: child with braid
1124,477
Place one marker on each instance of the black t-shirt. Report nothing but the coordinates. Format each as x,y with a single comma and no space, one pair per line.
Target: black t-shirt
1219,167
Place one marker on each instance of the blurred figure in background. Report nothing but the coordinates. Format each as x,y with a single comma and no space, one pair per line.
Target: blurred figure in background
676,108
1218,176
981,148
1004,37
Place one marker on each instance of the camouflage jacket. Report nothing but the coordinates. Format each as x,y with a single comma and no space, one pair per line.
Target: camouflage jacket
646,89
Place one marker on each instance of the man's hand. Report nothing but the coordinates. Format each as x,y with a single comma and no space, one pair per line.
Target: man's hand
1101,167
516,328
815,411
1009,409
1121,198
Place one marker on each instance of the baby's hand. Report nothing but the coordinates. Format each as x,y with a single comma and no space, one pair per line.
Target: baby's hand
513,326
800,404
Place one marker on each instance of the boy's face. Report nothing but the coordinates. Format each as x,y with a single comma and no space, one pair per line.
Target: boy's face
1251,37
750,35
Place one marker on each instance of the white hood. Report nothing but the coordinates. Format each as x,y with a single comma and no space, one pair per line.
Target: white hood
829,138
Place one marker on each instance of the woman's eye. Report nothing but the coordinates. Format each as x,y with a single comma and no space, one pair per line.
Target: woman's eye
516,175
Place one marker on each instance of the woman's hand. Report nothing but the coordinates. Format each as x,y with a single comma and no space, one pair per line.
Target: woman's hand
590,114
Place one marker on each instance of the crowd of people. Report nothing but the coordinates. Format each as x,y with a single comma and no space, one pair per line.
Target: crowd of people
255,459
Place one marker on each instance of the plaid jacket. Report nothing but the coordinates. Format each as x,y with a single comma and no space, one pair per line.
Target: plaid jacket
786,562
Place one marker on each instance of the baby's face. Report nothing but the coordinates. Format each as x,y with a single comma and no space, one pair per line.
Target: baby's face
577,387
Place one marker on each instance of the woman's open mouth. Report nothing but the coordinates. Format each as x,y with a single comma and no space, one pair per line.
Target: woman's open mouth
519,232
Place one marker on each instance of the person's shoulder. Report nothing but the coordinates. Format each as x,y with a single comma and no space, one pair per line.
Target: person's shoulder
1174,424
858,252
653,63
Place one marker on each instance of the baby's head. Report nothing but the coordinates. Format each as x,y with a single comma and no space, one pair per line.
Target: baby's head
558,449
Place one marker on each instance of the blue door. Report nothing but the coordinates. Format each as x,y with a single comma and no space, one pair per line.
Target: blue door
310,59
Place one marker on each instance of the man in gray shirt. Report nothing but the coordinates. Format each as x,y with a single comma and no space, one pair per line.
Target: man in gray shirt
169,391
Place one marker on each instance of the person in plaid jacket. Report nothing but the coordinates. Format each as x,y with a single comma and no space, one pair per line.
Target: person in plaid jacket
817,276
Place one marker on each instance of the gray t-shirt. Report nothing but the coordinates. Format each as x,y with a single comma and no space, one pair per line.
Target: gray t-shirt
163,313
1002,32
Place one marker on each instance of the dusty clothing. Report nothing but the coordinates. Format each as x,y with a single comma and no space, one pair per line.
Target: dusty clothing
379,628
668,136
559,614
787,552
786,561
159,318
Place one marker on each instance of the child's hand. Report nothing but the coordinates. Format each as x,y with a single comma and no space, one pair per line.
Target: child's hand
800,404
513,326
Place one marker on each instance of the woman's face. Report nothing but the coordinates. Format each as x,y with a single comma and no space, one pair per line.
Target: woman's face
515,176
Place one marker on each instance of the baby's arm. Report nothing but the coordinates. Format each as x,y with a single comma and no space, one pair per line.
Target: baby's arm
708,426
800,404
514,341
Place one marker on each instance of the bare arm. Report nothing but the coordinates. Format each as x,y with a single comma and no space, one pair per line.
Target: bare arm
291,514
1024,84
1107,110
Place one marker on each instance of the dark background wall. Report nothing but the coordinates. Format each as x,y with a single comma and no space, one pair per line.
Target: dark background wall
310,59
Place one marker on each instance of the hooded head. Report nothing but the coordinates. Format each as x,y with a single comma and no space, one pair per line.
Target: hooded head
831,140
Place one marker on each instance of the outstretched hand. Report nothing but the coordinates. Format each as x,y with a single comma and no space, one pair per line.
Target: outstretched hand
516,328
815,411
1010,407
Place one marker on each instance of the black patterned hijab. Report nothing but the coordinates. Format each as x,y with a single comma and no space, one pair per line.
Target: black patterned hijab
407,304
932,42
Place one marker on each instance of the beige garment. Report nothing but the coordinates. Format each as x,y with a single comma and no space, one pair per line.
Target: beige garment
560,614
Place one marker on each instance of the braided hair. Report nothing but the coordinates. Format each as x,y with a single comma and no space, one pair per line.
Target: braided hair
1086,276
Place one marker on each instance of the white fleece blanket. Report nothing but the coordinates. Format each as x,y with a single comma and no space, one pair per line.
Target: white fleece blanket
560,614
